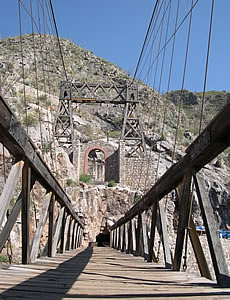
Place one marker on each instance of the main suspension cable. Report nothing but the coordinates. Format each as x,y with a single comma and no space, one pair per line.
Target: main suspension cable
146,37
59,44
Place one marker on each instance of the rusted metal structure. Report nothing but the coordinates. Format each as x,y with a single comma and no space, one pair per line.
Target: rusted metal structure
74,93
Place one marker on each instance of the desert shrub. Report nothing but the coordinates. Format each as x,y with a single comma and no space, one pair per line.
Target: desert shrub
85,178
69,181
112,183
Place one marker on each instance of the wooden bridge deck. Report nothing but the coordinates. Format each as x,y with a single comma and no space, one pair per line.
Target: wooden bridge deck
102,273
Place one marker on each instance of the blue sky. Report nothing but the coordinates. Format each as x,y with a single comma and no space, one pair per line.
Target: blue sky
115,30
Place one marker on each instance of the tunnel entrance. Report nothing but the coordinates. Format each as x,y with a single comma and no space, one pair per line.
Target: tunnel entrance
103,239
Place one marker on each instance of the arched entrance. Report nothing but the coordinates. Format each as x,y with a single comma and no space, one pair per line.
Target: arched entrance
95,163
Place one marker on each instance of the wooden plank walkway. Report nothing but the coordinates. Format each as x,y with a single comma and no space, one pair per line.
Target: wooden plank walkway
102,273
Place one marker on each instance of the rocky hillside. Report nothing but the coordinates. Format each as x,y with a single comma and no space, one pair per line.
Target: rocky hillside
38,96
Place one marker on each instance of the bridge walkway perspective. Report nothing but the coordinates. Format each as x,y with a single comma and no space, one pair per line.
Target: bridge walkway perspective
102,273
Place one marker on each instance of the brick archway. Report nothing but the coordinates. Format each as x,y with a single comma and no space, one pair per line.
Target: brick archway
87,154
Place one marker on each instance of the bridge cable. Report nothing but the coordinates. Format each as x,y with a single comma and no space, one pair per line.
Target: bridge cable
151,49
154,38
146,36
59,44
22,63
206,67
168,8
48,83
36,75
164,101
174,33
182,86
53,145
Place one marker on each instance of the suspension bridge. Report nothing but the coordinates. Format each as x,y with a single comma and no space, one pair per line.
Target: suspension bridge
62,266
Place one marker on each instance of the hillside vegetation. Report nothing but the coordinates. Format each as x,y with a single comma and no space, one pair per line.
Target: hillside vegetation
42,75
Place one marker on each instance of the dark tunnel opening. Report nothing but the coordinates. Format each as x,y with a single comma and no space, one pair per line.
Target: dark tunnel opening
103,239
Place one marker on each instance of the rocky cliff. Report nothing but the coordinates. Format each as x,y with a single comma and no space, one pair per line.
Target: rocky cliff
100,205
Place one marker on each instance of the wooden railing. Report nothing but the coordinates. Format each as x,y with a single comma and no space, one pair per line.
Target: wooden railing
63,233
131,233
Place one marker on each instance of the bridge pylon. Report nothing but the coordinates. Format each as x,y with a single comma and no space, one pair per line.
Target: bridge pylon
74,93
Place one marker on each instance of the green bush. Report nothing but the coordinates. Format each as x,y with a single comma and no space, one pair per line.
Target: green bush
69,181
85,178
112,183
3,259
30,120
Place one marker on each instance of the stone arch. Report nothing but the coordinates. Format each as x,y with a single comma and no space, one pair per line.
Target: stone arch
92,148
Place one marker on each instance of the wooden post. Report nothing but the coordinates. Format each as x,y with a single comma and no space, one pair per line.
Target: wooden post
5,233
118,235
57,231
183,221
152,256
25,215
70,234
51,225
130,245
127,238
164,237
198,250
122,237
216,250
139,236
66,231
9,189
78,236
111,239
145,235
134,241
73,234
37,236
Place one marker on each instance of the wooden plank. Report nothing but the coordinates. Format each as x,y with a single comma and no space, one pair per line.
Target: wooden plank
57,231
134,241
183,221
152,256
25,212
139,237
73,234
80,237
198,250
216,250
70,234
164,237
111,234
66,230
118,237
145,235
122,238
5,233
103,273
76,236
51,224
9,189
42,221
126,248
